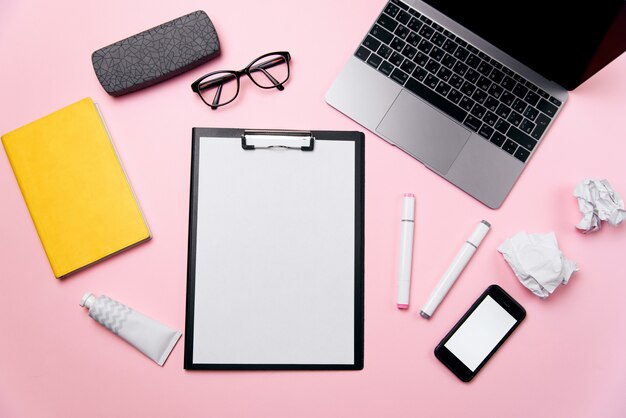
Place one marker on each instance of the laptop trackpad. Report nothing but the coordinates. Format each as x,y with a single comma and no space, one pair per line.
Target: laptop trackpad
423,132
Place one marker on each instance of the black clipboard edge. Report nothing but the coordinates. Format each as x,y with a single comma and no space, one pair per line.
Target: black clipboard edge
359,254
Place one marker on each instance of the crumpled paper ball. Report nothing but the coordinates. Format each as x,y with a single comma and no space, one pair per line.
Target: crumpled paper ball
537,262
597,202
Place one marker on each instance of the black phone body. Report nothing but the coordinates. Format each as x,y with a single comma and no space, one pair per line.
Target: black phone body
480,332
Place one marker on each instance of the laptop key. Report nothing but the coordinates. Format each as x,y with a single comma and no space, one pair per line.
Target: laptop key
532,98
397,44
520,91
444,74
408,66
521,138
546,107
362,53
521,154
491,103
374,60
466,103
485,131
502,125
483,83
436,100
443,88
431,81
478,111
420,59
514,118
387,22
438,39
473,61
396,59
400,4
509,146
527,126
490,118
542,122
371,42
508,83
518,105
402,32
531,113
381,34
449,61
384,51
437,53
480,96
484,68
399,76
456,81
496,76
503,111
392,9
414,39
461,54
555,101
498,139
495,90
449,46
472,75
386,68
460,68
403,17
455,95
507,98
420,73
472,123
426,31
432,66
468,88
409,52
425,46
414,24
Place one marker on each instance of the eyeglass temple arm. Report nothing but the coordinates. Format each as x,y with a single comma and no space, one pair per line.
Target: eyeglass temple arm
216,99
270,64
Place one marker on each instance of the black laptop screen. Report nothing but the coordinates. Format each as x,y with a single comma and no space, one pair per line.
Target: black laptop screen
565,41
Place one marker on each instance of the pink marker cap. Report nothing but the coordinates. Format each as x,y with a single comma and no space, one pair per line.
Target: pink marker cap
403,306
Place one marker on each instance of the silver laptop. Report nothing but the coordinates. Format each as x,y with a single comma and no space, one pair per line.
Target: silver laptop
470,96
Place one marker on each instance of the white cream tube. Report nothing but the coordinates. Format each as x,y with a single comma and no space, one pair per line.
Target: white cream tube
150,337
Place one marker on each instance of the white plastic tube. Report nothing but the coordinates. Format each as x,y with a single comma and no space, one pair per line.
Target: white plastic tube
150,337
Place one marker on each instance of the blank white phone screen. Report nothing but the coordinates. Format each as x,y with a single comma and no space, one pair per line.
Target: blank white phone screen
480,333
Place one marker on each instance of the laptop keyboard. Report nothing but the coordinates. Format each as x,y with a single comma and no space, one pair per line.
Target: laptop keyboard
458,79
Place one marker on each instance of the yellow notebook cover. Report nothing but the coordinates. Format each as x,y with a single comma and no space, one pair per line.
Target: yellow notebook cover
75,188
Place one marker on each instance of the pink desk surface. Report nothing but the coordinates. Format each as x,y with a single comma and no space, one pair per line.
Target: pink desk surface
566,360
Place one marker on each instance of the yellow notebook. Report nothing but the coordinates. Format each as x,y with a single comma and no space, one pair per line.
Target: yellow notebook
75,188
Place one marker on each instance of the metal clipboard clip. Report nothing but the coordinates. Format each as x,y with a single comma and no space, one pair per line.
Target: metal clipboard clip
282,139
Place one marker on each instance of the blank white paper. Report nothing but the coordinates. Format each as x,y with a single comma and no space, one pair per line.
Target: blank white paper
275,254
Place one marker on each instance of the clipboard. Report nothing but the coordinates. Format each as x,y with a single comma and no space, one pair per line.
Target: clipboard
276,250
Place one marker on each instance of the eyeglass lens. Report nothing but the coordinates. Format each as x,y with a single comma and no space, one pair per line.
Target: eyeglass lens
219,88
270,71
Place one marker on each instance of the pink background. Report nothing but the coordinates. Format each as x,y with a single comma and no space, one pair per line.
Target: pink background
567,359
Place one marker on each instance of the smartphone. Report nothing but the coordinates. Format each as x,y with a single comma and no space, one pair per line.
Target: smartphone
480,332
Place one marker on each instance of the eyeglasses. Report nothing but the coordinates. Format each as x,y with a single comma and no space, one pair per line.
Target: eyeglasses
222,87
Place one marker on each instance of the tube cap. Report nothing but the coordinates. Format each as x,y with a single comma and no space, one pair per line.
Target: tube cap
87,300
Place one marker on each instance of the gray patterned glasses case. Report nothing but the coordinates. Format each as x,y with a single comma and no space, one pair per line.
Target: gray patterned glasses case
156,54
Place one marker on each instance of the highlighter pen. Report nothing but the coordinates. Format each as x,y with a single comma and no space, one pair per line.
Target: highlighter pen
406,250
455,269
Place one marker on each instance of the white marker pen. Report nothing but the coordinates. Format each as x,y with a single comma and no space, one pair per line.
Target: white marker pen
455,269
406,250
